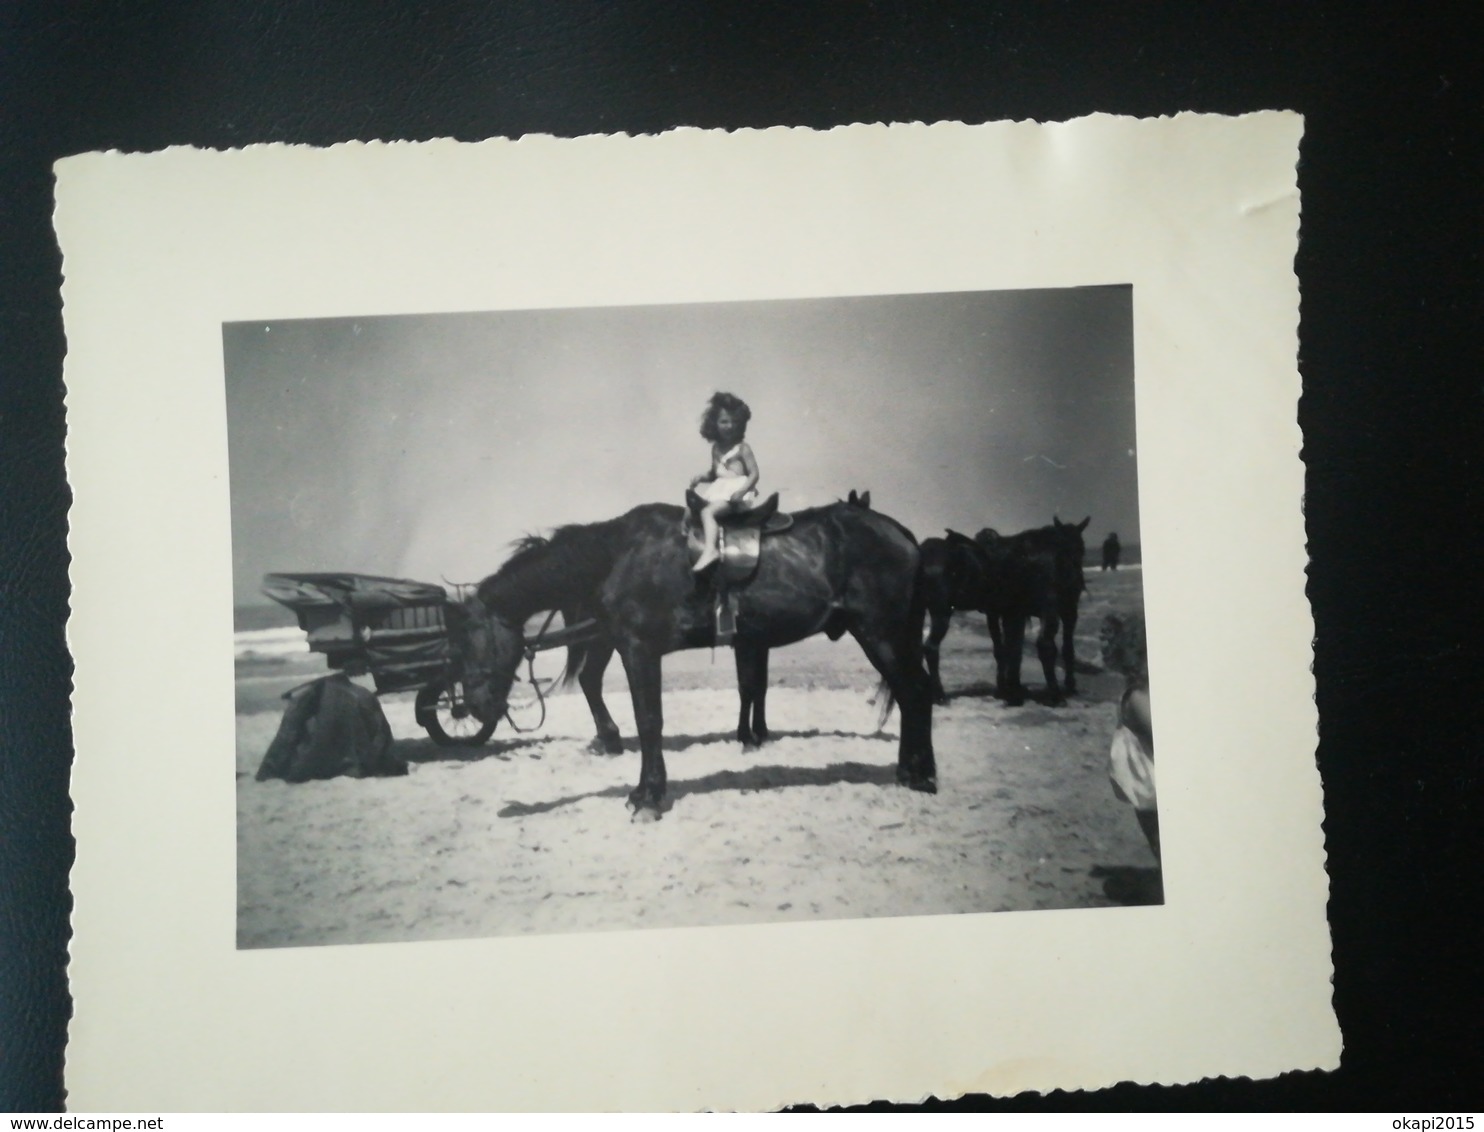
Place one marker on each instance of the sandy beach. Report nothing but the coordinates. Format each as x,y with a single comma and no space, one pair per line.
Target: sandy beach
529,834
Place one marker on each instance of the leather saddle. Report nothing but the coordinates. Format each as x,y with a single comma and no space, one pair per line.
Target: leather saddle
741,546
741,535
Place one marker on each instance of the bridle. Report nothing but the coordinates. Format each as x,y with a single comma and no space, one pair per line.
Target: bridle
572,634
484,671
530,649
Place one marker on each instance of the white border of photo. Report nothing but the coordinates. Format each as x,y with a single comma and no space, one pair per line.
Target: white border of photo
1231,976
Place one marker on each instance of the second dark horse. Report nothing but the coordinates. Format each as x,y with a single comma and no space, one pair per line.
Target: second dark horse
839,569
1037,573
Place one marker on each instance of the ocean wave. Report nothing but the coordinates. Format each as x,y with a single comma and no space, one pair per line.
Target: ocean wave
251,644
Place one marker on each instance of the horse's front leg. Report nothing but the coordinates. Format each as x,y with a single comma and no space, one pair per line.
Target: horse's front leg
642,664
607,739
901,665
1068,652
1008,648
752,690
1046,650
936,632
760,730
997,625
915,703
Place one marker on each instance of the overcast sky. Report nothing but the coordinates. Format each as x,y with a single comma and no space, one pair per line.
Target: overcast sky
421,446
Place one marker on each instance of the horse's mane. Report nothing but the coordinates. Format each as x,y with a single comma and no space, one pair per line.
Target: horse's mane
822,509
1036,538
1060,543
845,506
549,571
906,533
526,545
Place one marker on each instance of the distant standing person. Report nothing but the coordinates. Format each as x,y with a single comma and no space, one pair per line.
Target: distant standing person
731,481
1131,757
1111,550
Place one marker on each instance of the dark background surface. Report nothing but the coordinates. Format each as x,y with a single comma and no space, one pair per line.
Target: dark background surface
1389,265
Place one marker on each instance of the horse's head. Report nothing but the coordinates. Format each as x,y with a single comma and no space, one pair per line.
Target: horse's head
1070,549
486,653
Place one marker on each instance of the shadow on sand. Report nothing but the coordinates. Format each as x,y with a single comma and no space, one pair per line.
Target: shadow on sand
742,781
681,742
1124,884
985,690
427,751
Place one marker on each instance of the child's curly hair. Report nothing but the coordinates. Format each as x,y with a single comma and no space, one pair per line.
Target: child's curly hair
734,405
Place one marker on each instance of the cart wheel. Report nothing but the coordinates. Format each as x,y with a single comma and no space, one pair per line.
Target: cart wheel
442,712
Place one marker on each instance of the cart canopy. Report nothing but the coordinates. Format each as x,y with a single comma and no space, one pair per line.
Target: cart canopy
356,592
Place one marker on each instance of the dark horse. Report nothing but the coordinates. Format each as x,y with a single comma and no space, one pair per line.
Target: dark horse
588,659
838,569
1037,573
954,575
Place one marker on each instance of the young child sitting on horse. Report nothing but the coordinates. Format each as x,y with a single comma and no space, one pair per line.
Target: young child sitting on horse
730,484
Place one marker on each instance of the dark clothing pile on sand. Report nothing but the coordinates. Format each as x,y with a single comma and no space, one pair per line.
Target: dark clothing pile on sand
331,727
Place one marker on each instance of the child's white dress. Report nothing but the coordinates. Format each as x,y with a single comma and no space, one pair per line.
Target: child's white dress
1130,762
727,483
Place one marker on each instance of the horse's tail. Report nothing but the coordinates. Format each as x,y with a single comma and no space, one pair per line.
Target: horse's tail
917,613
914,660
932,580
885,701
576,661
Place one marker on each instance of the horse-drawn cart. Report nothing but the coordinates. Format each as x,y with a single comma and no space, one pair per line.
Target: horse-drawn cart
394,631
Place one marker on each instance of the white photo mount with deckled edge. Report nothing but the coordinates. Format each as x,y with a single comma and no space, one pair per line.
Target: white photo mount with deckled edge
1230,977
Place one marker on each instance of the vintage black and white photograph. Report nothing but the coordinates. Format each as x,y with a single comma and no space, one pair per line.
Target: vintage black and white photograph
640,607
698,614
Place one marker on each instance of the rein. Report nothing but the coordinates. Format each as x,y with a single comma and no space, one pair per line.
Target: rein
567,635
532,647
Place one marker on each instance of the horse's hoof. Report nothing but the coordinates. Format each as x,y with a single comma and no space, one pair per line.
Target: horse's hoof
926,784
752,740
645,815
644,806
